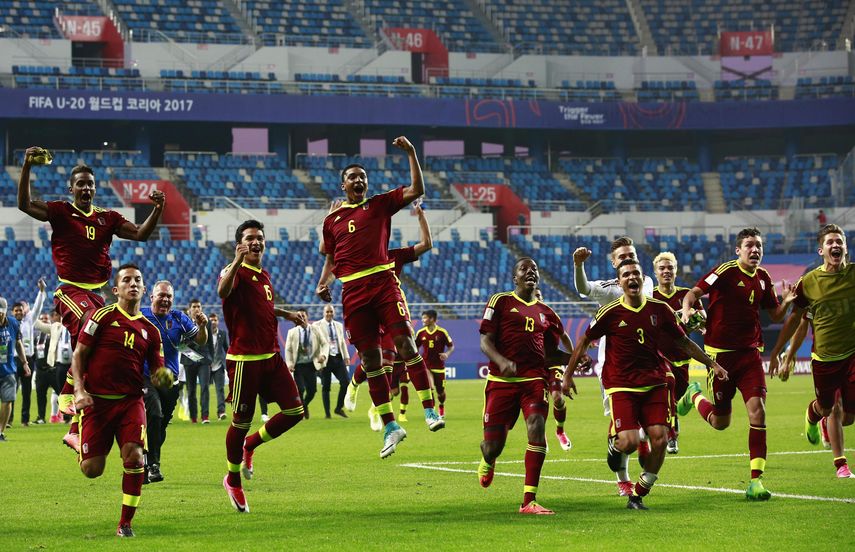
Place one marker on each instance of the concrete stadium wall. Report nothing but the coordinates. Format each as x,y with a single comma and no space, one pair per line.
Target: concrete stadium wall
34,52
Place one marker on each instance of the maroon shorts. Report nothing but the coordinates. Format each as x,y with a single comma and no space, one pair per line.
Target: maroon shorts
634,410
829,378
371,303
504,401
108,419
269,379
72,303
399,374
556,379
744,372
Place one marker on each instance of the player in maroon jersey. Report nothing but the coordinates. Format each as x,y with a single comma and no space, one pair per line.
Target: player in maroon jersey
738,289
356,239
665,270
437,345
520,336
107,365
392,363
80,245
634,372
255,366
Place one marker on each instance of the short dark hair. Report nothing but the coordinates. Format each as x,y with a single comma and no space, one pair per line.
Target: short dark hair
194,300
80,168
17,304
352,166
829,229
622,241
247,224
752,232
627,262
124,267
521,259
431,313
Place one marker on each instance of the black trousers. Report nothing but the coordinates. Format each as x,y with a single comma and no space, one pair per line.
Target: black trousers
45,379
307,382
335,367
159,408
26,384
201,374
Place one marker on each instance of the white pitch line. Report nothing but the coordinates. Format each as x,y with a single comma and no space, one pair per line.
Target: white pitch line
611,482
668,458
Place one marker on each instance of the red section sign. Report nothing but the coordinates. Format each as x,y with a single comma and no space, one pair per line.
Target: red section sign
176,212
747,43
83,28
510,209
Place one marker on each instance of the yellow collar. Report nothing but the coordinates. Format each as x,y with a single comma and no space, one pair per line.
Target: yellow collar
521,300
633,309
128,316
79,210
249,266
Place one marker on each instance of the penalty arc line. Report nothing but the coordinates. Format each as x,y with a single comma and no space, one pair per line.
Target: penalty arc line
609,482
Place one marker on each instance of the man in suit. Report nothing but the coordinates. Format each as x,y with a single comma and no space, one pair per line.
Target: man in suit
337,361
215,348
306,352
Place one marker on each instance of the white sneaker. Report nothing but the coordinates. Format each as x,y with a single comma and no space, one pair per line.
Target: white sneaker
394,435
375,419
350,397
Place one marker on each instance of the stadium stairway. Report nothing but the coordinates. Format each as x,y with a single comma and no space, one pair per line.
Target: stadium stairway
714,193
551,279
242,22
477,8
313,187
356,9
565,181
642,27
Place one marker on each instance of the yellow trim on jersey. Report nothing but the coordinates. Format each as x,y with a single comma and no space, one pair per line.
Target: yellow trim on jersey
249,266
128,316
634,309
747,273
645,389
607,307
678,363
495,298
102,312
367,272
725,266
249,358
834,358
81,285
352,205
110,397
715,350
69,303
438,370
523,301
673,293
81,211
491,377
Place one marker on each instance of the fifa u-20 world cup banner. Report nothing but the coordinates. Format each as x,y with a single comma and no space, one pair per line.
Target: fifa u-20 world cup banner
747,43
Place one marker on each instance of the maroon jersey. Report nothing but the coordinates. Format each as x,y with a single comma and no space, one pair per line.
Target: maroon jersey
121,345
357,236
80,243
634,337
248,310
523,333
736,297
675,301
432,345
402,256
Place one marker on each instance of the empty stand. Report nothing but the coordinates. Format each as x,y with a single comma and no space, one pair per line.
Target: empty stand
305,23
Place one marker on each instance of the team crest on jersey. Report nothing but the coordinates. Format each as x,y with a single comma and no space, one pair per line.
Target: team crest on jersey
542,318
101,221
144,333
653,319
763,285
169,324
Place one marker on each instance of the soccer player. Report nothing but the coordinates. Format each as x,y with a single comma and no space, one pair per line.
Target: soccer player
828,294
107,366
255,366
738,289
80,245
520,336
665,270
604,292
177,329
634,374
356,238
392,362
437,346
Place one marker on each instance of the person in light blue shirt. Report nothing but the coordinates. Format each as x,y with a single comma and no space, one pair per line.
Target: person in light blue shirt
176,330
10,344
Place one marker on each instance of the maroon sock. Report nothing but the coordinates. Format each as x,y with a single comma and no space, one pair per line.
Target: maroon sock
560,416
275,426
813,414
421,380
672,434
704,407
68,385
378,388
645,483
757,449
359,375
132,482
535,454
235,436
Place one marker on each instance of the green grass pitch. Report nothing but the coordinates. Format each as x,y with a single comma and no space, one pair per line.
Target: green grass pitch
323,486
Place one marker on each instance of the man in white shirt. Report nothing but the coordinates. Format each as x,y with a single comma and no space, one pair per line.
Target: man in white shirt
337,362
306,352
